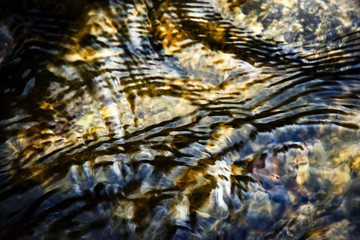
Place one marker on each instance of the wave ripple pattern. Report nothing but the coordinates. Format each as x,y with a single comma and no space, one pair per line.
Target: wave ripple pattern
174,119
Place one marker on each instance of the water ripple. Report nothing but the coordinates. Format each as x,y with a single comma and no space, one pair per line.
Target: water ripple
174,119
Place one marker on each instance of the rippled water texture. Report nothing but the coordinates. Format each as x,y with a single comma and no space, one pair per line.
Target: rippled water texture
180,119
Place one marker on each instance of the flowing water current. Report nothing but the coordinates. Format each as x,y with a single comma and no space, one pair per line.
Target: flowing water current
180,119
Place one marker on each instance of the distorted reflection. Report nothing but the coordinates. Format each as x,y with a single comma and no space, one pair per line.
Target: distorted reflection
178,119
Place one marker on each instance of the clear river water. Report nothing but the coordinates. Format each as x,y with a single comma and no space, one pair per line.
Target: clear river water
180,119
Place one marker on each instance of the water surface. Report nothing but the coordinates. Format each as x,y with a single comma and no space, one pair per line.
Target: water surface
180,120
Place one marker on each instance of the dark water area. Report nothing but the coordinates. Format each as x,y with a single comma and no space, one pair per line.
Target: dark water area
180,119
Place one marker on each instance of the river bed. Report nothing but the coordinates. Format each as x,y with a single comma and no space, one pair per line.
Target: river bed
180,119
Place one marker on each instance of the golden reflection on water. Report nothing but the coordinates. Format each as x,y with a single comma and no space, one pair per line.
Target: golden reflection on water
184,119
